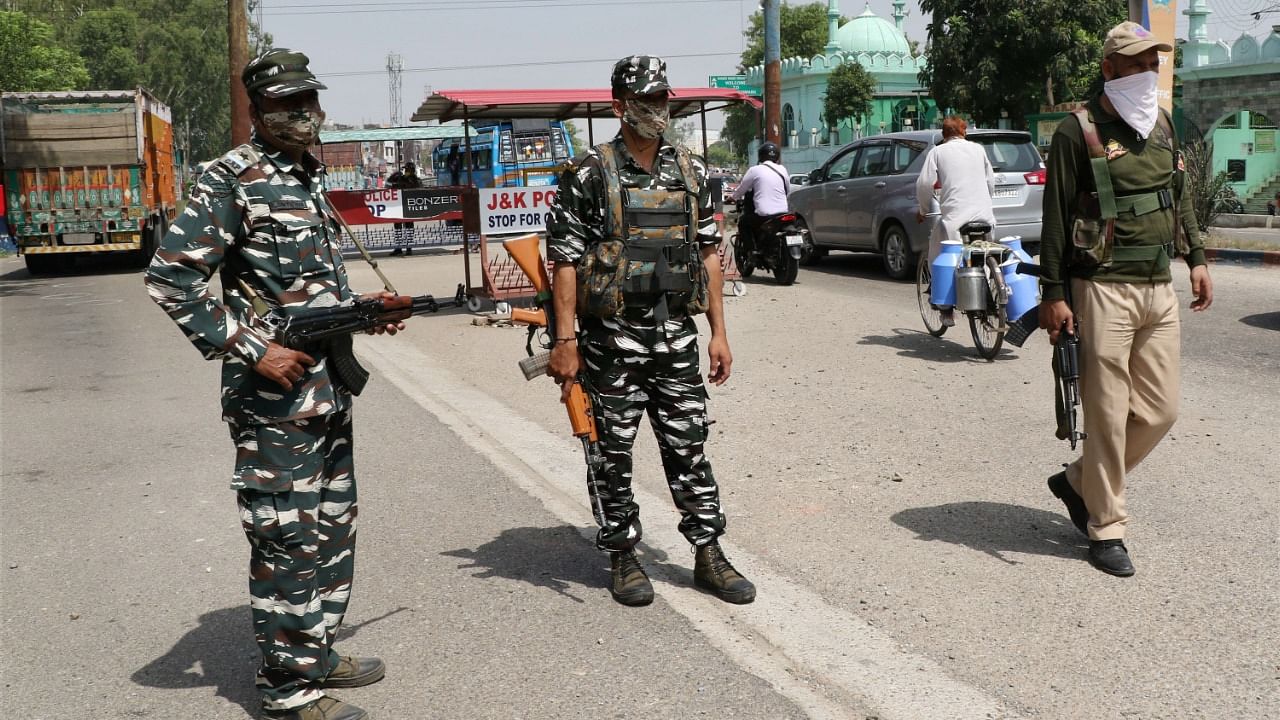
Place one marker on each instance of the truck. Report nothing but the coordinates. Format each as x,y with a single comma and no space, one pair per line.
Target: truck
86,172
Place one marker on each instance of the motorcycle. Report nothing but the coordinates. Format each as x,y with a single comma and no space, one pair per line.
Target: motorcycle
776,247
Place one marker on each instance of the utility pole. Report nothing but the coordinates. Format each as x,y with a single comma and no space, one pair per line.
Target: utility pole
394,67
772,72
237,58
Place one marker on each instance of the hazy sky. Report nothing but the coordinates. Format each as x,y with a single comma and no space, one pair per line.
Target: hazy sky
456,44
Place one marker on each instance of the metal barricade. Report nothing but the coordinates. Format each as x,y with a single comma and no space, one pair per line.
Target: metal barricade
422,235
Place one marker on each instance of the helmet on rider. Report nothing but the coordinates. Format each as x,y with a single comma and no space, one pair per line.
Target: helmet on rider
768,151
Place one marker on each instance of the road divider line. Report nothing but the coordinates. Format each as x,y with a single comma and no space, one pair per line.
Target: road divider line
829,662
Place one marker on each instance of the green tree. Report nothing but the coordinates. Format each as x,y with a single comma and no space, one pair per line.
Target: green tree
579,145
802,32
33,60
719,155
109,42
982,62
850,89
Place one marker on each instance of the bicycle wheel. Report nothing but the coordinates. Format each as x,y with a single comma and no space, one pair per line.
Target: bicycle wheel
987,336
932,316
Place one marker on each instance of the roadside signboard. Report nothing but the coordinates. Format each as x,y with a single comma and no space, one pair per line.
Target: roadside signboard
733,82
516,209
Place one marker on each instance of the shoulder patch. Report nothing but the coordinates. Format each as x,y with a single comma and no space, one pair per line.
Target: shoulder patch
240,159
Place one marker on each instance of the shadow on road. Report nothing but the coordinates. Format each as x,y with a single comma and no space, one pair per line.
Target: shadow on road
996,528
862,265
920,345
556,558
1266,321
220,652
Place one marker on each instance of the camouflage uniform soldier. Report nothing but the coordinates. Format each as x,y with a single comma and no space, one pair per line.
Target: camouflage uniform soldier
634,243
260,218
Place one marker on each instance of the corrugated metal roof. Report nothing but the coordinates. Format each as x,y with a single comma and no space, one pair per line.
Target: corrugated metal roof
421,132
555,104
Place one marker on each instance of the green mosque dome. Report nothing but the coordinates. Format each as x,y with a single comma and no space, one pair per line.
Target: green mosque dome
869,33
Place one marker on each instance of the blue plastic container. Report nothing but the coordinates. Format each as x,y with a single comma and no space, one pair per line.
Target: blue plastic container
1024,290
942,270
1014,243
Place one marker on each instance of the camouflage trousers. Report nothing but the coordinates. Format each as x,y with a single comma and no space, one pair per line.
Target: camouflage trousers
634,365
296,490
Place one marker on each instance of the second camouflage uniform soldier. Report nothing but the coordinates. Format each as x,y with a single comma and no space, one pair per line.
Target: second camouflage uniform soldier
634,242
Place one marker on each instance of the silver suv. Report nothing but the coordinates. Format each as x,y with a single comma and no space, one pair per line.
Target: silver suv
864,197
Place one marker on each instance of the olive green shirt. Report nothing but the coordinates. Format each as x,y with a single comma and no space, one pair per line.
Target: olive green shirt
1136,166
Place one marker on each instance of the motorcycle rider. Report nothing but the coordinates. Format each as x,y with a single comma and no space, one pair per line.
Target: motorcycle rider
768,184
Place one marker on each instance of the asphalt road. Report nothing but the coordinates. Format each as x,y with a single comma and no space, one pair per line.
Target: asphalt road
884,488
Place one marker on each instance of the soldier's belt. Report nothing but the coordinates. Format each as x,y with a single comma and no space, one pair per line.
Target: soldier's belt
1139,253
1144,203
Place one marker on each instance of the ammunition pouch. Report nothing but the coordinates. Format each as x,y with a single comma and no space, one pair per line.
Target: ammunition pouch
650,257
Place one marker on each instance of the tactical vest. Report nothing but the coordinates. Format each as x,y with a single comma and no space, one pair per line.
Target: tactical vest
1094,219
649,256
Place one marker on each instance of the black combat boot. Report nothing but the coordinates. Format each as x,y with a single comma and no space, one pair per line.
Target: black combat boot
713,573
630,585
1061,489
326,708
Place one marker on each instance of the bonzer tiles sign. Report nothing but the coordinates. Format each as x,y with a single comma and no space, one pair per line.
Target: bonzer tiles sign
364,207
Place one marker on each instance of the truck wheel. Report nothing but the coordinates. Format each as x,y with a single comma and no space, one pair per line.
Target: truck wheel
43,264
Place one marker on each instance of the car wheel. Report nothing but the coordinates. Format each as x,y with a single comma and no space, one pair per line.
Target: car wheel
895,247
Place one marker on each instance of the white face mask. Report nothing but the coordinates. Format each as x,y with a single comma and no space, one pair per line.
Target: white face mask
1135,100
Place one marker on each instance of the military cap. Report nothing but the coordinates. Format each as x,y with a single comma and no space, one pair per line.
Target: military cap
1130,38
641,74
279,72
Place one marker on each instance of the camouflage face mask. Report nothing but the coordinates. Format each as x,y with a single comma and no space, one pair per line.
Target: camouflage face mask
297,128
648,119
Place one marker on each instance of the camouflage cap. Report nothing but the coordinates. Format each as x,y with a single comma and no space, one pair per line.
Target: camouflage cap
1130,38
279,72
641,74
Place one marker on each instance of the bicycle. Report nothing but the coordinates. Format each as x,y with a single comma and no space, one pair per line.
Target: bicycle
983,287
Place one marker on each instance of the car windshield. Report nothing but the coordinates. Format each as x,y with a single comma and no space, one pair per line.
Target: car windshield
1009,155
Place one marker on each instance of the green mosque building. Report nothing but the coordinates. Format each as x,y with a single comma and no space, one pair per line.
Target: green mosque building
882,48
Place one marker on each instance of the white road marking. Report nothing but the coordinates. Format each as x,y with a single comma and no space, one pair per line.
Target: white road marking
829,662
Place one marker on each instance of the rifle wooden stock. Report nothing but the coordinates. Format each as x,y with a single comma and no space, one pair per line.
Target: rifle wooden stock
526,250
535,318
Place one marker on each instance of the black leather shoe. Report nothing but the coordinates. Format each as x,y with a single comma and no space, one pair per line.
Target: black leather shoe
397,252
1061,489
1111,557
630,585
355,672
326,708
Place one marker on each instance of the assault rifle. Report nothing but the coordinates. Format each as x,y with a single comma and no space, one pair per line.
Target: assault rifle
331,328
1066,363
542,323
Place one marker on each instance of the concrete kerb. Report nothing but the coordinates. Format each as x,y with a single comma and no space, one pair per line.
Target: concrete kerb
1247,257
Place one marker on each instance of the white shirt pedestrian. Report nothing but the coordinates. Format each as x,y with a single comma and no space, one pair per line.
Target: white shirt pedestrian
769,181
964,172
